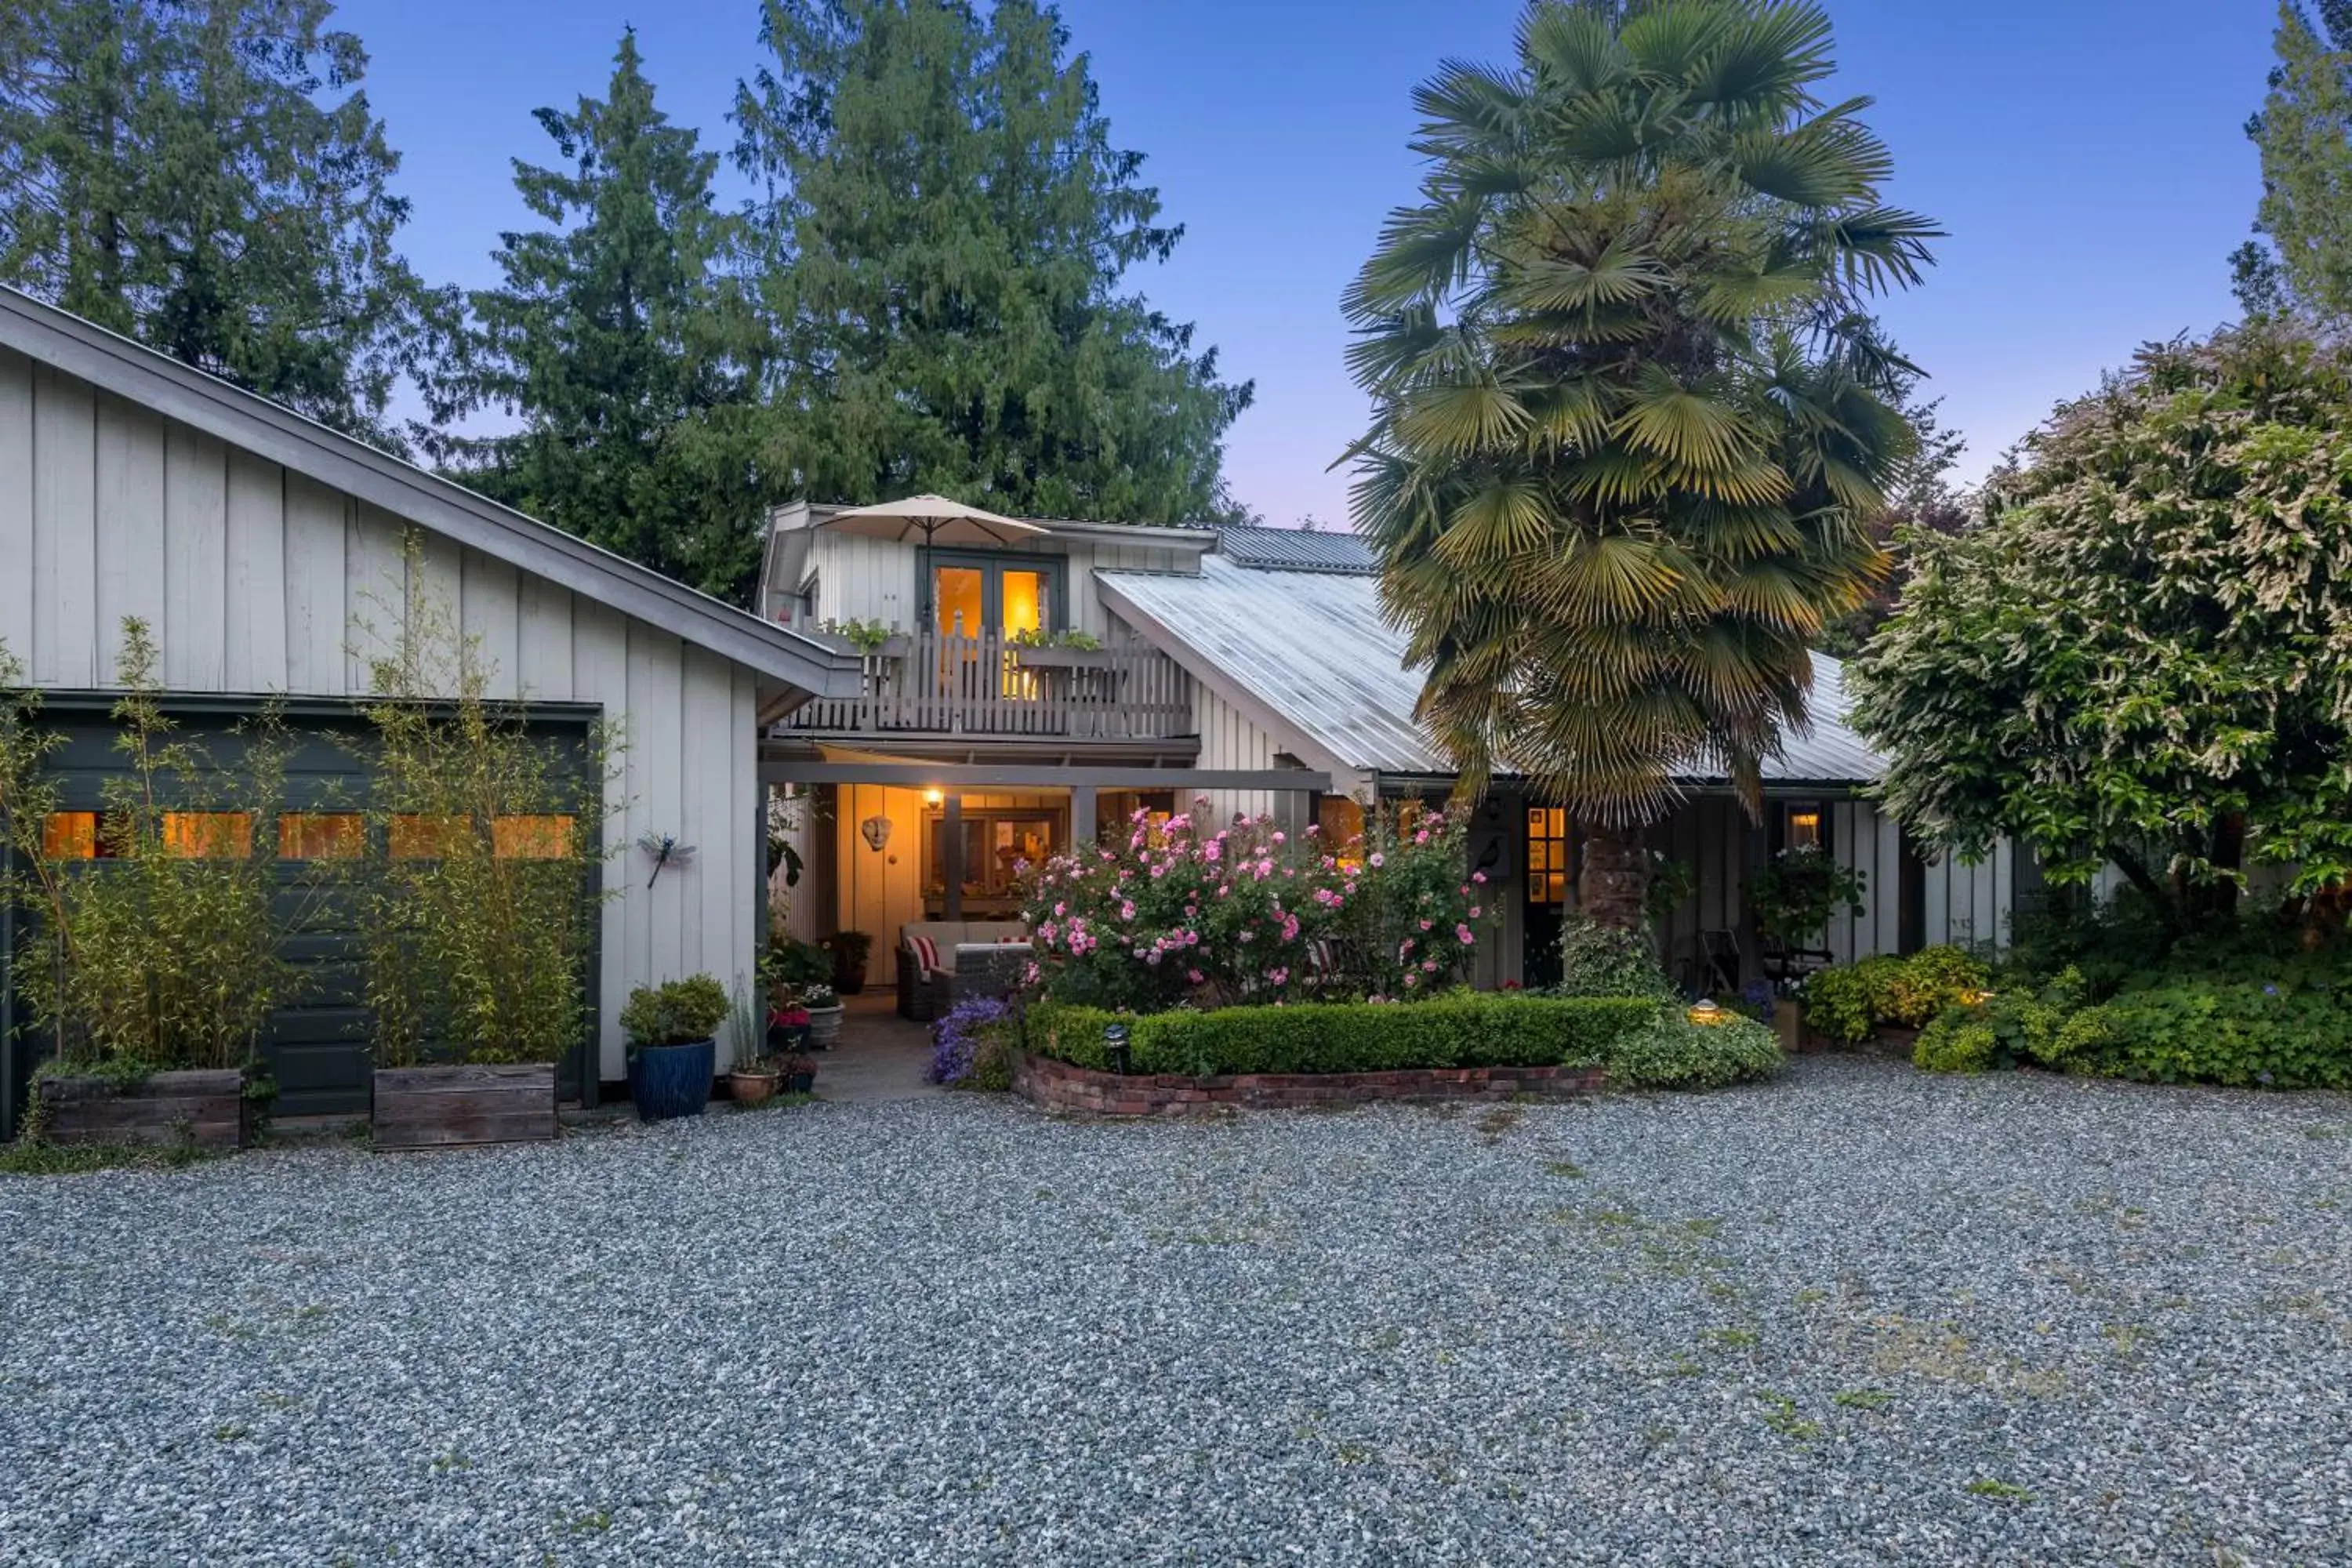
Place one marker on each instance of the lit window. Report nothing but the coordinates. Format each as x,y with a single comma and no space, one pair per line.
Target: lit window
70,835
1804,827
1343,821
540,837
1548,853
208,835
320,835
419,837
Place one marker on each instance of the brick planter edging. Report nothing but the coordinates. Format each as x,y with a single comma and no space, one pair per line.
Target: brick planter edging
1059,1086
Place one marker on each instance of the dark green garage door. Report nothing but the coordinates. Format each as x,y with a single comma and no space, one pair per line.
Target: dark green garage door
316,1045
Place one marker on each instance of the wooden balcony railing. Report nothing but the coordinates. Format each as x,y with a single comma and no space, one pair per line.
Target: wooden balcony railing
988,685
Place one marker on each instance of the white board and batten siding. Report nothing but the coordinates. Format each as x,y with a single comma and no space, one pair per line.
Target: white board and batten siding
1964,903
258,580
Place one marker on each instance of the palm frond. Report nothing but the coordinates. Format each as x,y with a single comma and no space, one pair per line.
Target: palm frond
1468,102
1459,417
1695,432
1572,49
1423,252
1507,516
1620,275
1766,59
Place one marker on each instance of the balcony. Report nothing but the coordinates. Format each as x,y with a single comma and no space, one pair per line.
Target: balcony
933,684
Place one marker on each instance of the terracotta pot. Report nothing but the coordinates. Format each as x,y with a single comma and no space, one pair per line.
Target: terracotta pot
751,1087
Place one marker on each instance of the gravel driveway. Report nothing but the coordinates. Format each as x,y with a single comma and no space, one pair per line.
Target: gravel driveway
1859,1315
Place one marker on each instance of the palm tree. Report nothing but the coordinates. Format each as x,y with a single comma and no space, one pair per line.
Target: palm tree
1630,410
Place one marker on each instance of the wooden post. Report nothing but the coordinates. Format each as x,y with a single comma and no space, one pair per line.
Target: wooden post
952,855
1082,814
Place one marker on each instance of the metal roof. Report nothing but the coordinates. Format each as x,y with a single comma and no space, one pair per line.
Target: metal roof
89,352
1312,648
1297,550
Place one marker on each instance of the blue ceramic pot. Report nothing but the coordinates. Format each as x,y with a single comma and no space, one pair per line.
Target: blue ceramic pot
672,1080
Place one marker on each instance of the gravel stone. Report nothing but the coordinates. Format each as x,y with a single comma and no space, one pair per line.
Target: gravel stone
1859,1315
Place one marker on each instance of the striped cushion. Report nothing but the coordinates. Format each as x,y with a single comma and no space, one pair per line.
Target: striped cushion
927,952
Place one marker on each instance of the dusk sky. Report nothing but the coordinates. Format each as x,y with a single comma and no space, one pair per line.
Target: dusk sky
2087,156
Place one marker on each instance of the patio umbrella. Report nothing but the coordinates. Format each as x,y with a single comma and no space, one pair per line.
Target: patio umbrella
937,519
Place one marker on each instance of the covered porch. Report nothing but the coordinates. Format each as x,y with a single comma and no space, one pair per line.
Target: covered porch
885,842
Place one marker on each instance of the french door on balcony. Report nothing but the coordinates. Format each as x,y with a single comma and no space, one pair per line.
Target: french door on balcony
973,594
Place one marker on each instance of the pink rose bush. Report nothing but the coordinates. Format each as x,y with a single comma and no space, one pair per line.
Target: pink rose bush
1173,915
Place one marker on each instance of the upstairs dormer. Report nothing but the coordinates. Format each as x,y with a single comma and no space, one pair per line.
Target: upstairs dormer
971,636
1037,584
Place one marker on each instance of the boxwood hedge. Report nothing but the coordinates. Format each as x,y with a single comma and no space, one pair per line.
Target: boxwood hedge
1468,1029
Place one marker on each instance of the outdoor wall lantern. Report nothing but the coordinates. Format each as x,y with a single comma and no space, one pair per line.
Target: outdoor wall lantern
932,798
876,830
1115,1048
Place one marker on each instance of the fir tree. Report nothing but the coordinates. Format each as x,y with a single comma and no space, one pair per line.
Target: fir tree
206,176
944,230
623,344
2304,131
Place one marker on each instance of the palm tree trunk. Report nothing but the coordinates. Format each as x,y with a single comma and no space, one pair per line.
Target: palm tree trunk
1616,878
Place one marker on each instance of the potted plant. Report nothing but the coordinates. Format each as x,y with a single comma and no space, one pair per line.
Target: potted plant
788,1022
753,1082
799,1074
850,950
872,638
753,1076
825,1012
673,1048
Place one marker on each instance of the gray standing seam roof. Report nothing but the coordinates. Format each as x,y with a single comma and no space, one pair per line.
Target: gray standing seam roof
1297,550
1312,646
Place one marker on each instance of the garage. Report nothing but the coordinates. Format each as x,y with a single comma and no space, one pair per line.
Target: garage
262,549
316,1047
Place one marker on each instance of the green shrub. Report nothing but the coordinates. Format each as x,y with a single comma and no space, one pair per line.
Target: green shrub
1464,1029
1672,1052
2243,1035
1961,1040
1849,1002
1596,960
676,1012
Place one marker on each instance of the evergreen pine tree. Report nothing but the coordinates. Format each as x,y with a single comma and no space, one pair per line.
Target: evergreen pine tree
2304,131
944,228
624,346
207,177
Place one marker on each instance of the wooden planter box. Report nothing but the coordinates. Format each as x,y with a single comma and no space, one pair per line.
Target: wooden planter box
451,1105
207,1109
1062,658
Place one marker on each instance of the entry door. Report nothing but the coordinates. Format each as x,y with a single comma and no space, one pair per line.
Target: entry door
1550,883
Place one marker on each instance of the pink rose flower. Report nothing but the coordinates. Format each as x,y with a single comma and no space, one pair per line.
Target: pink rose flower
1464,932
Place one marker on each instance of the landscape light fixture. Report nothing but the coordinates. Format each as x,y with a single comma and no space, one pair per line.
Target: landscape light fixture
1115,1048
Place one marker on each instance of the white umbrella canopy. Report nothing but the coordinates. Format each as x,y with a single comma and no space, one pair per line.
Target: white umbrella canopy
938,520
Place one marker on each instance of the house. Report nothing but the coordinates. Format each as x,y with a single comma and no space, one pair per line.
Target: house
252,541
1251,666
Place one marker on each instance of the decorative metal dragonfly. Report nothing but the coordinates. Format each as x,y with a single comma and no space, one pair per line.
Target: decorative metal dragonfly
665,850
